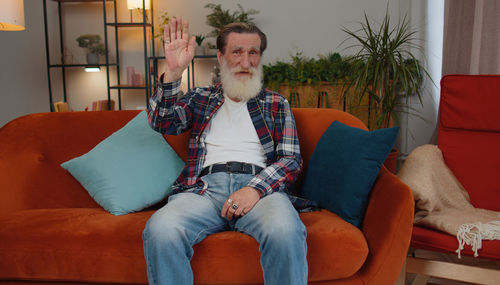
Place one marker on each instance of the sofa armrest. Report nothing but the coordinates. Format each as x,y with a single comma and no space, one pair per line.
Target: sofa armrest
387,227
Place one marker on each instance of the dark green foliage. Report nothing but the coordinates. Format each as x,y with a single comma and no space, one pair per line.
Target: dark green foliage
92,43
220,17
302,70
385,68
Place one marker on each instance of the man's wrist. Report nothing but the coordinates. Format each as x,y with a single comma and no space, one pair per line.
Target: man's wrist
256,190
170,76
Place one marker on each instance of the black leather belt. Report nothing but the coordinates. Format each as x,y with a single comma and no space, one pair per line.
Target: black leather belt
232,167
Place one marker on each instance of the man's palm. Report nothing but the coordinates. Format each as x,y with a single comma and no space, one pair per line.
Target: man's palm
179,51
179,54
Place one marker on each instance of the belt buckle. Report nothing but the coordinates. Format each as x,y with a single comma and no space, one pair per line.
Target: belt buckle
235,167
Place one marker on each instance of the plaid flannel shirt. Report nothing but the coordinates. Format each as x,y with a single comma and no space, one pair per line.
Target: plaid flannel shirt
270,113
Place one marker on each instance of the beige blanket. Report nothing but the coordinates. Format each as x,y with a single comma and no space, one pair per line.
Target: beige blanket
443,203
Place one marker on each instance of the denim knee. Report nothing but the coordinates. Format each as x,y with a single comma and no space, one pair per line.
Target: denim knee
161,232
284,233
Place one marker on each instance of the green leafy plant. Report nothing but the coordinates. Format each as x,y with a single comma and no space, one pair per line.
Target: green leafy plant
164,20
211,46
384,69
199,39
330,68
92,43
219,17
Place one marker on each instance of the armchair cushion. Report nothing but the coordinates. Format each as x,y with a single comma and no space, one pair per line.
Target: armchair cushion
344,166
130,170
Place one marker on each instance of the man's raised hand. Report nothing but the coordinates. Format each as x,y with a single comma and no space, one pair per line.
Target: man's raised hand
179,49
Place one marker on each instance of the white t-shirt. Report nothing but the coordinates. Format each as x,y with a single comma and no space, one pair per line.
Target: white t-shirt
232,136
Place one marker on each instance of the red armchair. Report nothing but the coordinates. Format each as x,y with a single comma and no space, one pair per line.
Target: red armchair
469,138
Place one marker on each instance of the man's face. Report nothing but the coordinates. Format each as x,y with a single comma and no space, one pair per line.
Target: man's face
242,53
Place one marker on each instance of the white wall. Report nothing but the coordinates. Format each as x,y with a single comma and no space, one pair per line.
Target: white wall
23,87
313,27
420,124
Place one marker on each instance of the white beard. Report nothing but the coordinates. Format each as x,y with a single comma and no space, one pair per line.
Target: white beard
237,89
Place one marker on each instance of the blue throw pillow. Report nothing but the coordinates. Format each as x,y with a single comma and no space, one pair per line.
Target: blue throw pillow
344,166
130,170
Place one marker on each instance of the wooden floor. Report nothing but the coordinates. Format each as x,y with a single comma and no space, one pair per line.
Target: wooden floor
465,260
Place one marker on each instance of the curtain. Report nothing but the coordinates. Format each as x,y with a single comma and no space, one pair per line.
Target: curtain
471,37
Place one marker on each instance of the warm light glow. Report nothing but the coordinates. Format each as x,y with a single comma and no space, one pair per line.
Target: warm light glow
137,4
92,69
11,15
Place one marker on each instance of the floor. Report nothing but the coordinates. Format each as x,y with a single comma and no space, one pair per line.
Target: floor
466,260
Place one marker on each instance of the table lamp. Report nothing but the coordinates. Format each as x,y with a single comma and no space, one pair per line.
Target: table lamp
11,15
137,4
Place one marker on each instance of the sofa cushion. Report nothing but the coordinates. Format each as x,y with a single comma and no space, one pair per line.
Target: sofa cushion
344,166
129,170
431,239
78,244
90,245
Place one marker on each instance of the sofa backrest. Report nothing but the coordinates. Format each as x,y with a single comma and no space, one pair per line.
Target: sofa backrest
32,148
469,134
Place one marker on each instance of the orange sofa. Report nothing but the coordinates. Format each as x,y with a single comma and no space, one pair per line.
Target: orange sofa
52,231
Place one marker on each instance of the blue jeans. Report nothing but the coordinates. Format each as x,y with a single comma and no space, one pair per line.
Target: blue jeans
188,218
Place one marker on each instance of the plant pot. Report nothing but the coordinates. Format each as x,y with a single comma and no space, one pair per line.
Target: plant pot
199,50
92,58
307,95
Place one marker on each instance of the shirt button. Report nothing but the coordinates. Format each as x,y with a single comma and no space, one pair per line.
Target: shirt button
197,137
207,117
218,103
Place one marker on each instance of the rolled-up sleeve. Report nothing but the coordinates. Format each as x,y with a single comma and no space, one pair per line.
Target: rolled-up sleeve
167,114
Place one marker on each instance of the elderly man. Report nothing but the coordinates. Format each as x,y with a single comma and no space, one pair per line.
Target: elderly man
243,154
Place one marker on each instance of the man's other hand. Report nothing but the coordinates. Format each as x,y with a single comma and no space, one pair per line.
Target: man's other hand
244,199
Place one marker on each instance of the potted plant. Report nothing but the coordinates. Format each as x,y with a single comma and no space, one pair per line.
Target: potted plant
199,49
211,49
385,73
219,17
309,82
94,46
164,20
385,70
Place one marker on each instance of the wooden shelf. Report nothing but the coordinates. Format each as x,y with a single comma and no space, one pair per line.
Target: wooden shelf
196,56
128,25
81,65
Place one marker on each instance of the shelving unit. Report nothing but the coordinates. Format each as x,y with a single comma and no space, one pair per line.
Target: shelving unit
62,65
147,29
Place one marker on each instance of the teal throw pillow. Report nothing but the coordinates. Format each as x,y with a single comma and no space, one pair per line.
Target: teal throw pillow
343,168
130,170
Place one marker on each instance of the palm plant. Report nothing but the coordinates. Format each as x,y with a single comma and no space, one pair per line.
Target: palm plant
385,69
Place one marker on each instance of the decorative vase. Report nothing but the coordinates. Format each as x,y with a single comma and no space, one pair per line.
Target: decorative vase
199,50
92,58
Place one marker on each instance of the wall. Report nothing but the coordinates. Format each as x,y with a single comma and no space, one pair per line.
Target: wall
421,120
23,83
312,27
